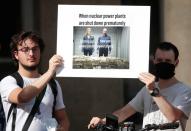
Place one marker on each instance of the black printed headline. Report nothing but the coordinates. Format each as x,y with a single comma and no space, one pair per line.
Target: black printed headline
102,19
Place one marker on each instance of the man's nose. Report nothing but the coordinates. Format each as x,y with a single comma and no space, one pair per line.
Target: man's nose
31,52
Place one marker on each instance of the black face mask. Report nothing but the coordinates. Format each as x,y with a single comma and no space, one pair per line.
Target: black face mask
164,70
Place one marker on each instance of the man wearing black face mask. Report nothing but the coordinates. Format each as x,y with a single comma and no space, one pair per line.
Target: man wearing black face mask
164,101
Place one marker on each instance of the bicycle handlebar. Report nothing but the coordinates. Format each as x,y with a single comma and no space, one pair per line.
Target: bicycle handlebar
164,126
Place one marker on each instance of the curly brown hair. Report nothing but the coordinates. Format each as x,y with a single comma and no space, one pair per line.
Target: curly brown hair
17,39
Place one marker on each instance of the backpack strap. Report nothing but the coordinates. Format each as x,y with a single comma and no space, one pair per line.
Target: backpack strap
53,86
34,110
13,106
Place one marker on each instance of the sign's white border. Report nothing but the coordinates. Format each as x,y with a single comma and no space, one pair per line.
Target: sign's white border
137,18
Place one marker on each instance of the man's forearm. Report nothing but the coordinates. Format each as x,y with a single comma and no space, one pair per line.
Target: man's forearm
35,88
172,113
124,113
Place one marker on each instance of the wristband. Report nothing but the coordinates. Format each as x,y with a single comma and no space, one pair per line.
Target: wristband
155,92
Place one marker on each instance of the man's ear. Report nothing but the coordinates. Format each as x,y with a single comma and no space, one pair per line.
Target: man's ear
176,62
16,55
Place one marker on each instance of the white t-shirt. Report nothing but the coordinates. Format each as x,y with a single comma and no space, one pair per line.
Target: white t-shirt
179,95
8,84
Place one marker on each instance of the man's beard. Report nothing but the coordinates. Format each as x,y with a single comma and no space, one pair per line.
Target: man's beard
30,68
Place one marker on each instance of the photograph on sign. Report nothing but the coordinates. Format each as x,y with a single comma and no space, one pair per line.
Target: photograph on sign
101,48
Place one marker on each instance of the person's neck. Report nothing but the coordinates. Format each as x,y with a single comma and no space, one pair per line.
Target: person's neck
167,83
29,74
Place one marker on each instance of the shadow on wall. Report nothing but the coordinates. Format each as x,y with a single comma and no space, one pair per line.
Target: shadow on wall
131,88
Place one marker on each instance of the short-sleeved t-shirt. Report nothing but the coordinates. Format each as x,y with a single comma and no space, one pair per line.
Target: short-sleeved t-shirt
179,95
8,84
